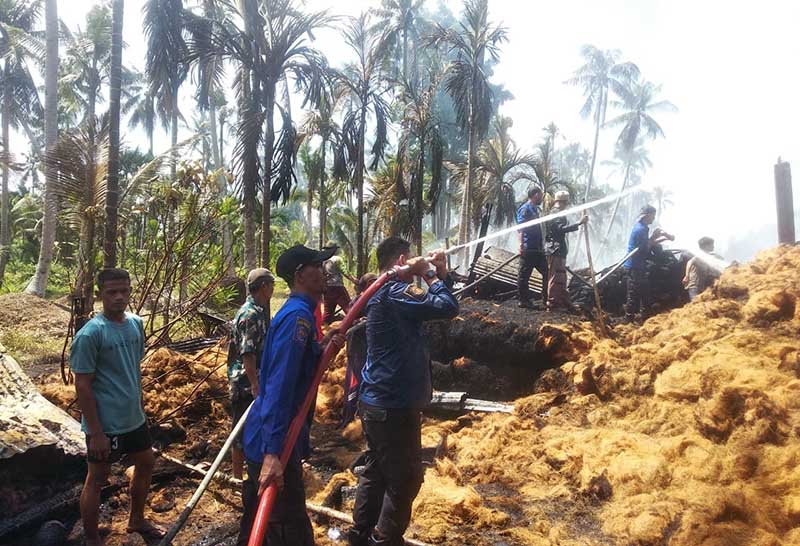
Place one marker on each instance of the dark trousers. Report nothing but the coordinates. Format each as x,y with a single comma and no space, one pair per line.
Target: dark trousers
392,475
335,295
638,292
528,261
288,523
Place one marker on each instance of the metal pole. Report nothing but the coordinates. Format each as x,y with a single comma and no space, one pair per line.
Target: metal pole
178,525
785,203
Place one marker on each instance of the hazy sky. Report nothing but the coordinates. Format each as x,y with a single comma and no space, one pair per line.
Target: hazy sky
731,68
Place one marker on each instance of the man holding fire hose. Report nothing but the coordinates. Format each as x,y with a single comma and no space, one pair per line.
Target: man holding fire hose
290,357
396,385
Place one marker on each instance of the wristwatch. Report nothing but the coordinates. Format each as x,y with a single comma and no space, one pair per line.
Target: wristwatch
430,274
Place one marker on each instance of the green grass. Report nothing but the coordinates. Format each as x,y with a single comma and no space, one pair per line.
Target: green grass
36,353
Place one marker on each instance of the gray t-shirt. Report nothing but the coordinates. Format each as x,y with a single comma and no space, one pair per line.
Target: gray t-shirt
333,271
113,352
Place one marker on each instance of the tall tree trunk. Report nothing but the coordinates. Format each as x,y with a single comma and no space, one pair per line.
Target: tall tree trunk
173,169
360,258
323,205
84,278
112,191
225,227
309,215
594,155
466,199
249,101
38,284
418,206
5,198
616,205
266,194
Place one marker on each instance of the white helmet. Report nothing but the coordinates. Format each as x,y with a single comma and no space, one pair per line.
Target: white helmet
561,196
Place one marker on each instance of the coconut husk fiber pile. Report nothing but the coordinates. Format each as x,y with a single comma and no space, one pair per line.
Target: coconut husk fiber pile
178,388
185,388
685,431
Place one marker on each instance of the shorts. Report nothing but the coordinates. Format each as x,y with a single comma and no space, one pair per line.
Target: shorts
239,404
122,444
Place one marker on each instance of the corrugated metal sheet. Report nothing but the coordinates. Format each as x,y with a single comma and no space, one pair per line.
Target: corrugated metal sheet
28,420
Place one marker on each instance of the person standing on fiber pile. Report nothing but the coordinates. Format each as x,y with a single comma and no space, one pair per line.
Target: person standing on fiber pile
395,386
106,357
638,297
556,249
531,248
244,352
288,362
335,292
700,275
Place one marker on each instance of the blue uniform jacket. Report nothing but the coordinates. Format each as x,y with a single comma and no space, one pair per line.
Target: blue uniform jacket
531,236
640,238
291,353
397,374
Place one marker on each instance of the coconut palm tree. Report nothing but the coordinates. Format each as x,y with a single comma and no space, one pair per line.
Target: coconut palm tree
500,165
165,62
321,122
272,46
638,105
141,106
313,169
422,135
362,86
38,283
86,65
467,84
18,95
112,184
81,158
547,173
663,198
405,26
601,73
631,163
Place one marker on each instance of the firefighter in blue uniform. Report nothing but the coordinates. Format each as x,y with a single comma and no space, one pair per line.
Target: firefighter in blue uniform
531,248
291,353
396,385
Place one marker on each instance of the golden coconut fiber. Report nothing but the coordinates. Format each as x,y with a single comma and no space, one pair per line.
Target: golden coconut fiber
685,431
184,387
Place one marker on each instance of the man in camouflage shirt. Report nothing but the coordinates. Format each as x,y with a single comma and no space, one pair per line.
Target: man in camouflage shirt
244,352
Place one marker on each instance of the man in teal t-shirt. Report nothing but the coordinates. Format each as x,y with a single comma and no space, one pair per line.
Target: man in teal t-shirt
105,357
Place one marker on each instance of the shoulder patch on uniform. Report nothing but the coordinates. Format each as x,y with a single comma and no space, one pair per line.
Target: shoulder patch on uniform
415,292
301,330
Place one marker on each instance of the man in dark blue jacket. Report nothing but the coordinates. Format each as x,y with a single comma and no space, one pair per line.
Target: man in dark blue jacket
291,353
396,385
531,248
636,265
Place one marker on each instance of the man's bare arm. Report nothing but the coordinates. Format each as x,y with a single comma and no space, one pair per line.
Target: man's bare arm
99,445
251,369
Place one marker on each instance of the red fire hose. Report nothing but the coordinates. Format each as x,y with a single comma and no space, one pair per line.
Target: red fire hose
267,501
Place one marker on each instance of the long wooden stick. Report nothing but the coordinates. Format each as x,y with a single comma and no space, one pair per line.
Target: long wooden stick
597,302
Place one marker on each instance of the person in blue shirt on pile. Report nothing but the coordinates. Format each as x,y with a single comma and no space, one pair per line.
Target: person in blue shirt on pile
290,357
531,248
636,266
396,385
